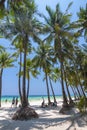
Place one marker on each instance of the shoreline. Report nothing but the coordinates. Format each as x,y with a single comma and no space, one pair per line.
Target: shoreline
32,97
49,118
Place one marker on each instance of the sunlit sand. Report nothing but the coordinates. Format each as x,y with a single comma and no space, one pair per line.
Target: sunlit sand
49,118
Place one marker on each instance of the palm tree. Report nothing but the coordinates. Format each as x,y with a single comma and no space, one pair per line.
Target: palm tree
21,22
78,61
43,60
66,72
54,75
57,26
26,25
6,60
17,42
82,22
31,71
84,68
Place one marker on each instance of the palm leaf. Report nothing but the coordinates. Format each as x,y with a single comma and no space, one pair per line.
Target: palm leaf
70,4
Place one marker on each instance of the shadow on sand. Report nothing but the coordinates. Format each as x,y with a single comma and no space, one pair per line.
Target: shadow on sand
44,121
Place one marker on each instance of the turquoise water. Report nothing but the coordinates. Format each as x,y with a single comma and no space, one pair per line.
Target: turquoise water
32,97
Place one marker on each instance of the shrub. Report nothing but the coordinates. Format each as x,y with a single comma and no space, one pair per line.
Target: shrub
82,104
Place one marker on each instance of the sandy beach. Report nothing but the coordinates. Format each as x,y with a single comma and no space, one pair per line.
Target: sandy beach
49,118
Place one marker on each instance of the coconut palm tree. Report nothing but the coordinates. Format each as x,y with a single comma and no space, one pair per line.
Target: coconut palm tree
17,45
84,72
43,60
57,26
31,71
54,76
26,25
82,22
6,60
21,22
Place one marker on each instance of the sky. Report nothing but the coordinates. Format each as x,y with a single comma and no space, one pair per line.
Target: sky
37,86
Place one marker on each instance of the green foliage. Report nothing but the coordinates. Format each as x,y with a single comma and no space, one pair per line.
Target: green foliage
83,13
6,60
82,105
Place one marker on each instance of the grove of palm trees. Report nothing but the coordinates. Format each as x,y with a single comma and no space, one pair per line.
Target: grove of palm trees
58,53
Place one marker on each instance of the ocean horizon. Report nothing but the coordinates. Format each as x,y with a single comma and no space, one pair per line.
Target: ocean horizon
31,97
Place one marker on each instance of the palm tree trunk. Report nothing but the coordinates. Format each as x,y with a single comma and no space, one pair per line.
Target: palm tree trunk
73,93
60,56
48,93
2,2
65,103
83,91
28,85
24,96
76,72
80,84
19,78
52,90
82,88
71,103
1,85
78,91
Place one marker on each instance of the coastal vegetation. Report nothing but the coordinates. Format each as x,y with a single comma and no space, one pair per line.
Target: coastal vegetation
57,52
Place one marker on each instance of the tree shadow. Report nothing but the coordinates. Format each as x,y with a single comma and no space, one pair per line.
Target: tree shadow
44,121
40,123
79,120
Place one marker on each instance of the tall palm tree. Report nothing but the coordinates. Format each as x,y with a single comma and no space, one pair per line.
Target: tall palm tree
57,26
18,46
43,60
21,21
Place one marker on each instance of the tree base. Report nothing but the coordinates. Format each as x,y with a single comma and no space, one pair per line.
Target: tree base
64,108
25,113
71,104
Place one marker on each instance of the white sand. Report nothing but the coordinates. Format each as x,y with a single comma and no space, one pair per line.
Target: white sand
49,119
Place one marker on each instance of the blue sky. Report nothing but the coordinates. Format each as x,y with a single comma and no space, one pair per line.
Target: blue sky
37,86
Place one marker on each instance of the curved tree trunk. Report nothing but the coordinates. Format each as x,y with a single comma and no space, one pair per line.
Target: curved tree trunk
82,88
80,84
71,103
73,93
78,91
83,91
52,90
58,50
65,103
76,72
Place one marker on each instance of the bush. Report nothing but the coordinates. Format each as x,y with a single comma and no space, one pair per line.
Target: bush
82,105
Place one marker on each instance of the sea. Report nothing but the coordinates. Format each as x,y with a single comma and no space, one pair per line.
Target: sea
30,98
